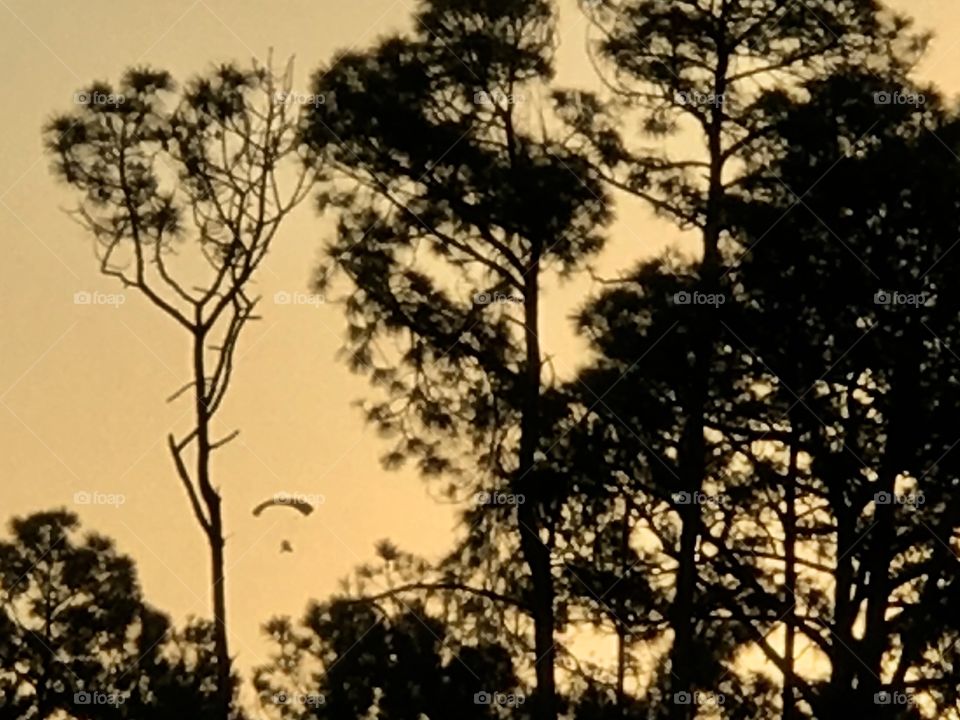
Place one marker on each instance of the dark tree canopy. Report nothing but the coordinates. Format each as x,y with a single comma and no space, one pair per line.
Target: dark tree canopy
455,200
346,660
79,639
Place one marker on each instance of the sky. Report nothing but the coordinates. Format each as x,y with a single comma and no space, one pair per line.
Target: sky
83,387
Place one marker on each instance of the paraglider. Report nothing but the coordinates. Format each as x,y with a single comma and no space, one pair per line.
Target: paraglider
298,503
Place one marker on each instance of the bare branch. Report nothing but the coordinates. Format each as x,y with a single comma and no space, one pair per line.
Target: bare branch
184,475
224,441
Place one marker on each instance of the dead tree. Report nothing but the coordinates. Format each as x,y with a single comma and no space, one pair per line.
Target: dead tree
184,191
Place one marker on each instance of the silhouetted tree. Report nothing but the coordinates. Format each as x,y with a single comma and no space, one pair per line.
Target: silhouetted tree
78,638
707,69
349,659
184,201
621,448
862,384
829,398
453,206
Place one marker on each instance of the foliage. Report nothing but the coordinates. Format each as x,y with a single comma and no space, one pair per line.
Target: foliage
79,639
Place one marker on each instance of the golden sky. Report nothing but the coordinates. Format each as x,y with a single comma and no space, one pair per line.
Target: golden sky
83,387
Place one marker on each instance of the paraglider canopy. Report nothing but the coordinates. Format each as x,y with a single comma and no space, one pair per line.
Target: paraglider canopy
284,501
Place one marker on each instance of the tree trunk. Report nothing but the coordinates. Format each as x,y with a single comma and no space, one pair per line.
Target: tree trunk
621,625
681,612
214,531
790,575
221,649
530,514
898,458
692,460
842,660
